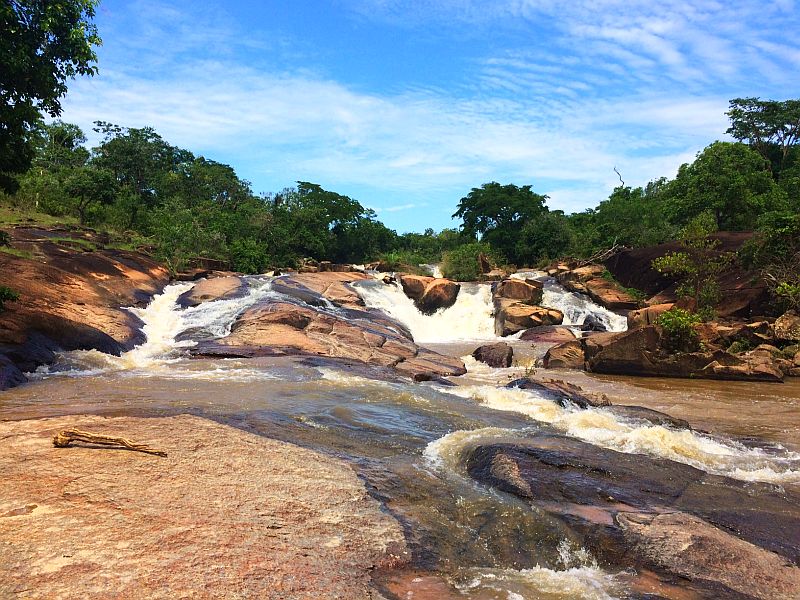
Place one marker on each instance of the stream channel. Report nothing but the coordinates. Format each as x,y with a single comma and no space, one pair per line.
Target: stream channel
409,441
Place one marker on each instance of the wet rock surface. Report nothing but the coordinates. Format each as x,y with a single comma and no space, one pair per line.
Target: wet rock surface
562,392
430,294
512,316
715,533
72,293
528,292
311,325
214,288
225,514
548,334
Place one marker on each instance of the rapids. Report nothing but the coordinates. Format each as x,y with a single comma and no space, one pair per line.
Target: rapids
408,441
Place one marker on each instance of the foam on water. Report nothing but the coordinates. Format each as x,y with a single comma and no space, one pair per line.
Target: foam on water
163,321
602,428
470,318
576,307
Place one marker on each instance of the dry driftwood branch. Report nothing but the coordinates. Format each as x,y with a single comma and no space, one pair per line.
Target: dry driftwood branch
64,438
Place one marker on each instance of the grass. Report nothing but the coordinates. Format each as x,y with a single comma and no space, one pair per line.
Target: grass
16,252
11,215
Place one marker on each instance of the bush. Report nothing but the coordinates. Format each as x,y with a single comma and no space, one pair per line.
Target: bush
461,264
679,330
249,256
7,295
739,346
5,239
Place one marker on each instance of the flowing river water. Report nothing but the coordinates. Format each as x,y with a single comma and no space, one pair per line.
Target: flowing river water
408,440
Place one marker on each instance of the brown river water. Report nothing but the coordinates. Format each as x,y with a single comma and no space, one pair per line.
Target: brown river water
407,440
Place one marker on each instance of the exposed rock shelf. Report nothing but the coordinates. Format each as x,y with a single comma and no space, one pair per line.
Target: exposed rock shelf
226,514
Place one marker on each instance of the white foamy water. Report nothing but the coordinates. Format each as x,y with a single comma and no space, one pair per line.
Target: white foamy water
163,321
603,428
470,318
576,307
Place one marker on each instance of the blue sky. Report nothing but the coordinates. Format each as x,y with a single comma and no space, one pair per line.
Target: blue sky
406,105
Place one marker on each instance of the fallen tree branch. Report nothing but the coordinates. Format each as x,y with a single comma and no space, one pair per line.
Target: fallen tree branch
64,438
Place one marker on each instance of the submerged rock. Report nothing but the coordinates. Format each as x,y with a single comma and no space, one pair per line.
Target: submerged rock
499,355
225,514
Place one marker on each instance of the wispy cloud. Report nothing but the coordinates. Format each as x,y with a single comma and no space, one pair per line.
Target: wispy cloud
612,84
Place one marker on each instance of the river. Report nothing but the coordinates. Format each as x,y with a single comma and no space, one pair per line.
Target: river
407,440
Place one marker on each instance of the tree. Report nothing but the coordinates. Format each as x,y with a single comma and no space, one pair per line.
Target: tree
729,179
60,146
498,212
88,188
42,46
546,237
767,125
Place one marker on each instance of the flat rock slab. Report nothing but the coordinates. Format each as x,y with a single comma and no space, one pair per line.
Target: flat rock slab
226,514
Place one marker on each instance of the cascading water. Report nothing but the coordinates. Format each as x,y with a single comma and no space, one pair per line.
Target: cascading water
470,318
577,307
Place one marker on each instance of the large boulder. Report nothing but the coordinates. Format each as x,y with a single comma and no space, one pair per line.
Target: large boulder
648,315
499,355
414,285
208,290
787,327
528,291
512,316
718,536
590,280
567,355
439,294
548,334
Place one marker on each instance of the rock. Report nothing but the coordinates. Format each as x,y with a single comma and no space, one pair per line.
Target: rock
592,323
430,294
208,290
324,265
527,292
271,328
568,355
647,316
414,285
512,316
193,275
548,334
484,263
679,543
227,514
787,327
630,352
10,375
499,355
439,294
331,285
562,392
796,359
494,275
640,413
610,498
70,299
589,280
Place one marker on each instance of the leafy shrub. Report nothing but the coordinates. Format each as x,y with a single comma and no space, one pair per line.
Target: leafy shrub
740,346
679,330
249,256
5,239
7,295
461,264
406,261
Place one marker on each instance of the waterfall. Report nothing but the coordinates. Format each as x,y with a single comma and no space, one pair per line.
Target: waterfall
470,318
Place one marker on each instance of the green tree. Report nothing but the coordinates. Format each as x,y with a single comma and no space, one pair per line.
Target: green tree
547,237
42,46
697,264
497,214
729,179
88,188
771,127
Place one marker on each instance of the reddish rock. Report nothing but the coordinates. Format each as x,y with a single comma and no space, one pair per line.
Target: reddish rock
334,286
430,294
647,316
512,316
527,292
499,355
226,514
208,290
548,334
568,355
414,285
787,327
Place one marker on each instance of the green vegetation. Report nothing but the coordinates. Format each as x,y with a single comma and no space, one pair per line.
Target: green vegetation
7,295
463,263
680,331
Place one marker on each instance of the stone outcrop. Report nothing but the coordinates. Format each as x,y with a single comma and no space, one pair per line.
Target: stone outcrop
430,294
643,351
548,334
226,514
499,355
72,290
512,316
589,280
295,326
213,288
647,315
528,291
787,327
718,536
